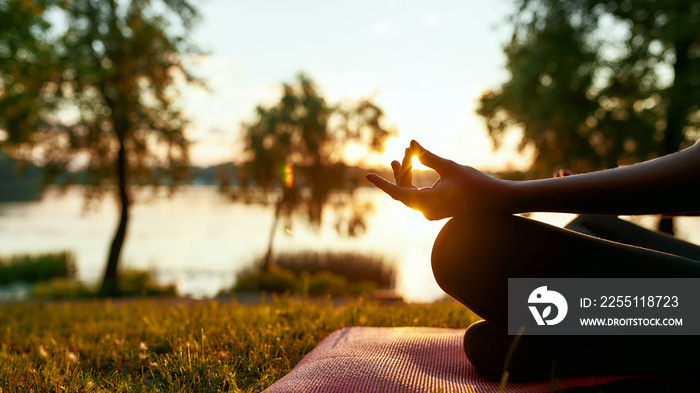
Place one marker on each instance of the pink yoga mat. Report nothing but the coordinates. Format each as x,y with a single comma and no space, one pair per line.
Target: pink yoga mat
366,359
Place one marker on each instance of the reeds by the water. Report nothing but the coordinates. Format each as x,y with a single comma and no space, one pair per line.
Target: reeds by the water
32,268
313,273
353,266
52,275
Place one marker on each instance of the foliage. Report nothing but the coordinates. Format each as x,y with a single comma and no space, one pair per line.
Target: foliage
274,279
104,94
599,83
27,62
142,283
353,266
109,79
282,281
327,283
294,155
148,346
53,276
132,283
61,288
39,267
316,274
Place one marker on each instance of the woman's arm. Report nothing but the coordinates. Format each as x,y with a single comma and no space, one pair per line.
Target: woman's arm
667,185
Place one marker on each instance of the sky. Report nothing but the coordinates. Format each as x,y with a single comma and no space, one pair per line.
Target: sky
425,63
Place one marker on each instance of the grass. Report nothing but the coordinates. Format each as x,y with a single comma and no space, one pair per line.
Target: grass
158,346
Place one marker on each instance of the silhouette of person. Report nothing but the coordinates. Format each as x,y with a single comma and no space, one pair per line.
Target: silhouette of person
484,243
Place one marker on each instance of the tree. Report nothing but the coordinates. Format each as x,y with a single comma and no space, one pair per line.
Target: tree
595,84
294,155
26,61
109,107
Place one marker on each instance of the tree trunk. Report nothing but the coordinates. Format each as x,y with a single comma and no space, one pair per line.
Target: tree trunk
267,261
110,282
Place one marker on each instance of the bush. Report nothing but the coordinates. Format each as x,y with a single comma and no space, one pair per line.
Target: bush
327,283
354,267
276,280
61,288
34,268
142,283
319,274
131,283
279,280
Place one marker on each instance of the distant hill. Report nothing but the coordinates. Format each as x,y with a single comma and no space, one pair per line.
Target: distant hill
214,175
226,173
24,185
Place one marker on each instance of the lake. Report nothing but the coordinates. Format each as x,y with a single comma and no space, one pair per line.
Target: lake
200,240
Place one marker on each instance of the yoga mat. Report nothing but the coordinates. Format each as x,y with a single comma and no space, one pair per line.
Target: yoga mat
407,359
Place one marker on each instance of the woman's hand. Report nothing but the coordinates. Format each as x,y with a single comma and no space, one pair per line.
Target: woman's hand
665,185
459,190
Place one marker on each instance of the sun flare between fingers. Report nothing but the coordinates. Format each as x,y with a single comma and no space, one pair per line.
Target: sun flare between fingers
417,165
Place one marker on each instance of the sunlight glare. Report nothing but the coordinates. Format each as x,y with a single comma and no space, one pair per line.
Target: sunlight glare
417,165
412,221
395,148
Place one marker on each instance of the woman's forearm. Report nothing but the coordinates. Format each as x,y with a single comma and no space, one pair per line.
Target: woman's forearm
669,184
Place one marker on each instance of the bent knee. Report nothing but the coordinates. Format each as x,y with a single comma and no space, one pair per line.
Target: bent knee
445,254
458,259
465,263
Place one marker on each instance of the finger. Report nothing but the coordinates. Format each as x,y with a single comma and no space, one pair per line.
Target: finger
406,176
396,166
405,195
429,159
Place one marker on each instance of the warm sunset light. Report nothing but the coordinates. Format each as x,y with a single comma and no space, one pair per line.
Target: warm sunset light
394,149
204,195
430,101
415,162
412,221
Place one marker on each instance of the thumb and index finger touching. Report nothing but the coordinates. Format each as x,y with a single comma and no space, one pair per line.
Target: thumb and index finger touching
401,191
429,159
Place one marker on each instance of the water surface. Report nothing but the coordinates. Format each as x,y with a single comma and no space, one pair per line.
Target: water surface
200,240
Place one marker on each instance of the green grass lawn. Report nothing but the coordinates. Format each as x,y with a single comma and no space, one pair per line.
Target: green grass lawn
155,346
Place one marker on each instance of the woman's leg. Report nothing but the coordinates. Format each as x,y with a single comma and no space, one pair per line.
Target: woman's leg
473,257
614,229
